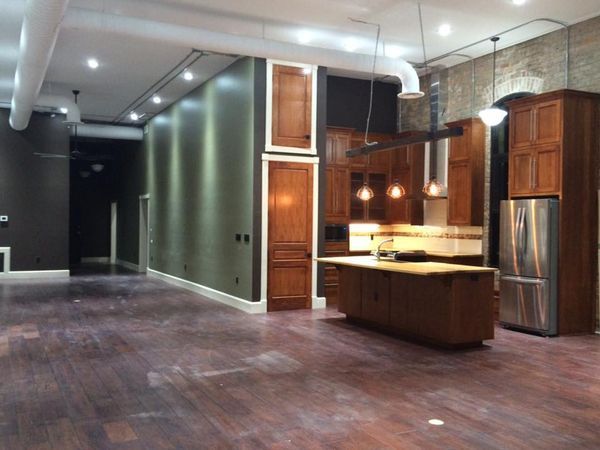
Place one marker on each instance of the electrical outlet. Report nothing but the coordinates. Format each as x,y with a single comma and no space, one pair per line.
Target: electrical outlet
246,238
3,218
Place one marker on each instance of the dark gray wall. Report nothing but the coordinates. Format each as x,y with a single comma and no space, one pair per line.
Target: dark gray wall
198,164
322,111
34,193
348,104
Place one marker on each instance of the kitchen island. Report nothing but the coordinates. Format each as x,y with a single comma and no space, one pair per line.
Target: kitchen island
450,305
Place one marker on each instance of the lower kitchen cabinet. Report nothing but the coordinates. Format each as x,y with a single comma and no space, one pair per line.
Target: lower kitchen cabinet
376,296
350,292
332,250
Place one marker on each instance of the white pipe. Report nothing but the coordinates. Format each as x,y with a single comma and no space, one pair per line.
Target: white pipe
184,36
109,132
39,32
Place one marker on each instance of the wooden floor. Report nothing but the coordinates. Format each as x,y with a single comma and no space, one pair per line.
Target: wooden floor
125,362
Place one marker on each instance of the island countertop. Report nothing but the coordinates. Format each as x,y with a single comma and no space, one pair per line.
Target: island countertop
414,268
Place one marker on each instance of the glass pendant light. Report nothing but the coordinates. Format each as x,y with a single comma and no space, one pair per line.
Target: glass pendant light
365,193
433,188
493,115
395,190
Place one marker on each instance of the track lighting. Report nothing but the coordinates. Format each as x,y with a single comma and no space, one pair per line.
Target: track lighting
134,116
156,99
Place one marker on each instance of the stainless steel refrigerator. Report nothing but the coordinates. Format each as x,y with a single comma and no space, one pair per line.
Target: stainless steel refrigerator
528,264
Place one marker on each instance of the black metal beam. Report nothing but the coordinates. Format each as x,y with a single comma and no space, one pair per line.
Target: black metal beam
426,136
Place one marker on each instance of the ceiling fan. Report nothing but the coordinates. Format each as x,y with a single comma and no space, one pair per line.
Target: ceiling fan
75,153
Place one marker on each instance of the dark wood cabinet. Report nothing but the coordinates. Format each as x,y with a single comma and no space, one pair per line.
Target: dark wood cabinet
407,167
374,210
337,203
466,161
553,146
332,250
292,107
338,141
376,296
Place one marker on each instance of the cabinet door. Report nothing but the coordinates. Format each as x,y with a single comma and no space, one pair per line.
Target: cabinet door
330,149
547,170
548,119
520,176
358,209
521,127
376,296
292,96
400,158
377,206
330,193
350,291
358,140
342,193
459,193
459,147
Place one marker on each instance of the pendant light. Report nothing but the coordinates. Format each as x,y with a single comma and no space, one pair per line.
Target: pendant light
365,193
433,188
493,115
395,190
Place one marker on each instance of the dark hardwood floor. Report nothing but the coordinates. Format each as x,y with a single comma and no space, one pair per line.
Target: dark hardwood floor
119,361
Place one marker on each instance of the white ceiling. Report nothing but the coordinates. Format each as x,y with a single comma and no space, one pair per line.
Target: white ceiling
128,67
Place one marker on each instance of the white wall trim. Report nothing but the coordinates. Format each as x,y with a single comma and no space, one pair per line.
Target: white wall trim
144,246
269,147
96,259
6,253
113,232
213,294
127,265
41,274
319,303
265,221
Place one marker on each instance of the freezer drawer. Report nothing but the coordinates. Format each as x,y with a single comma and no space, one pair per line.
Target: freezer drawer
527,303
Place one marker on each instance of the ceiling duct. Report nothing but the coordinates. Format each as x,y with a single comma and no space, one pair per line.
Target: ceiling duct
39,32
109,132
184,36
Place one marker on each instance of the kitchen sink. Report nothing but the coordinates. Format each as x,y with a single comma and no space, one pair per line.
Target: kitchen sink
402,255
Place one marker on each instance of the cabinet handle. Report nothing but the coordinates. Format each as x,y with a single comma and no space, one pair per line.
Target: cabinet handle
307,136
531,174
534,173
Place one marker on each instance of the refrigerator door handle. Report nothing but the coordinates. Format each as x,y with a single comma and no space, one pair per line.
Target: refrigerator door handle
520,280
519,240
524,233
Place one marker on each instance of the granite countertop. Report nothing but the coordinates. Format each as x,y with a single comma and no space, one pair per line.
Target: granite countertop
413,268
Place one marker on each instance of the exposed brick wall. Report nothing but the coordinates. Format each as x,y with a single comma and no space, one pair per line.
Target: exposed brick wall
537,65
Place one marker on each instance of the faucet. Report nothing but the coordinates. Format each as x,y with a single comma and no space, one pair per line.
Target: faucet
378,252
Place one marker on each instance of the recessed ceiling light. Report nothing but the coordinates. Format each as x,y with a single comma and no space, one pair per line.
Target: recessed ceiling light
437,422
304,37
444,29
350,45
156,99
93,63
64,110
187,75
519,2
134,116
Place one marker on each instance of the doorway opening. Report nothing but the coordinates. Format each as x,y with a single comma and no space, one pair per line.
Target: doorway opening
499,176
144,233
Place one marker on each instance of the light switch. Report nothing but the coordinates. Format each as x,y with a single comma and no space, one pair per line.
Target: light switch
3,218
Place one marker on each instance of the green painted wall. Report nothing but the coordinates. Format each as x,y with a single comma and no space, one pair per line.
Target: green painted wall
199,171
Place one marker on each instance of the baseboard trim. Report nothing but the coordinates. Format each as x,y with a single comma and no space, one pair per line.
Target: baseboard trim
319,303
24,274
96,259
213,294
127,265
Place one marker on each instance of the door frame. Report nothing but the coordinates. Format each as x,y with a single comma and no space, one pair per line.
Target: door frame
317,302
144,234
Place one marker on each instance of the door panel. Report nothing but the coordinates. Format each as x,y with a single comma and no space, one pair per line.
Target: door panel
292,97
521,127
525,302
376,296
290,236
548,122
459,193
547,170
520,173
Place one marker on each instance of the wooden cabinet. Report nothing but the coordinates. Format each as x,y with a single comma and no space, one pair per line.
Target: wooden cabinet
553,146
374,210
292,107
376,296
332,250
466,161
338,141
337,193
407,166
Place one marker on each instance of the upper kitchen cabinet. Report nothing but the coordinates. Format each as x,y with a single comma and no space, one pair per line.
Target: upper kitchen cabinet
466,160
338,141
292,96
542,129
407,166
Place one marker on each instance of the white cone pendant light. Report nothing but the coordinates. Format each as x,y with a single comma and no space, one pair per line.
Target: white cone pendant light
492,116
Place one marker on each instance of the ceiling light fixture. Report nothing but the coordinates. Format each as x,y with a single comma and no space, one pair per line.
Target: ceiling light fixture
493,115
188,75
518,2
395,190
64,110
444,30
437,422
97,167
304,37
134,116
93,63
350,45
433,188
156,99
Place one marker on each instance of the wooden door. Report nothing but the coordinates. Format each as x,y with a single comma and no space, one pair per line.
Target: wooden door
292,101
548,120
521,127
546,176
520,175
290,236
459,193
